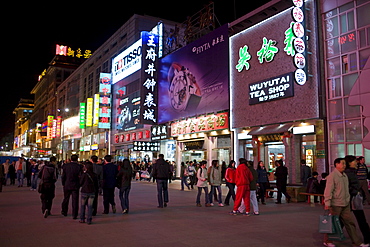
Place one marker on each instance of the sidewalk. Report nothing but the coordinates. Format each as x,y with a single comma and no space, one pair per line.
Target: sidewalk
180,224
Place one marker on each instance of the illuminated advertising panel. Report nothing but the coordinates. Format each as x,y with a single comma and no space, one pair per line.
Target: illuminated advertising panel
89,112
128,112
268,65
96,109
149,87
126,63
82,115
105,91
194,79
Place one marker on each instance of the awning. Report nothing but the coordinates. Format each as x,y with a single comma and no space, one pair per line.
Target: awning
271,129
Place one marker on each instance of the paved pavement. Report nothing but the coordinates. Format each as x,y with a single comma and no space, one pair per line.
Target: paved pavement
180,224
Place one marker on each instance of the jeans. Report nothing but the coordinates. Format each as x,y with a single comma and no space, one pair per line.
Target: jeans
34,181
200,193
254,202
20,177
213,187
87,199
183,181
162,190
231,192
123,196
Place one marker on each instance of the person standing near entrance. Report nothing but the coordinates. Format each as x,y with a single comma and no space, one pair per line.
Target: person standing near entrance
20,168
161,173
71,185
110,171
362,175
305,173
281,174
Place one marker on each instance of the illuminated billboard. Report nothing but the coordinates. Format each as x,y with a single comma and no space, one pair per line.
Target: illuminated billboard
127,62
194,80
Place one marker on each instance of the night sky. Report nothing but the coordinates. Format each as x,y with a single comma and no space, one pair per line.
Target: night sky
31,30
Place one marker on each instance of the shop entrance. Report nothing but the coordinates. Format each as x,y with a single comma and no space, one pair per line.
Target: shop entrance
275,151
193,155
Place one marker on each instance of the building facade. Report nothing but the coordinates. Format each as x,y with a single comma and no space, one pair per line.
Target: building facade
275,87
346,46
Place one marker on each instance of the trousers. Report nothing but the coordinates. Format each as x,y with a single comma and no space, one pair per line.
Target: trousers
242,192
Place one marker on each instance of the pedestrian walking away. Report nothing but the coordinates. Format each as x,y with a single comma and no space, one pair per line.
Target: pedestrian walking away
71,185
124,184
281,174
49,176
161,173
110,171
89,185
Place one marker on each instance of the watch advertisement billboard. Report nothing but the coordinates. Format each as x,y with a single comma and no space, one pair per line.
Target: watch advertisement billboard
194,79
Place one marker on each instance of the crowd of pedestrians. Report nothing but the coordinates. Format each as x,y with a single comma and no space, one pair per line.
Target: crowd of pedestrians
85,181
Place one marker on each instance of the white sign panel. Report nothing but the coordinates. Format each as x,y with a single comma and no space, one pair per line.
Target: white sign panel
126,63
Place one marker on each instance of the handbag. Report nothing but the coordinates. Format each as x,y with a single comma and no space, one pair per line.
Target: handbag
356,202
338,234
39,188
326,223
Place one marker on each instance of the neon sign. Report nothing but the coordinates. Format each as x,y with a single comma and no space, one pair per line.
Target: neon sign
63,50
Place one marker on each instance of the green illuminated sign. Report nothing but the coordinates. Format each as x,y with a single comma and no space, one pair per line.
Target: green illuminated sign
288,41
244,57
267,51
82,115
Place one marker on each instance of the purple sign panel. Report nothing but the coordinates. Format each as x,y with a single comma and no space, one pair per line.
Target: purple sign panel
194,79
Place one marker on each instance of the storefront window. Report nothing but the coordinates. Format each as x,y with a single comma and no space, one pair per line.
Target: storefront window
363,17
348,82
335,89
353,130
351,111
334,67
275,152
332,47
347,22
335,109
364,55
354,149
364,37
336,151
336,132
332,28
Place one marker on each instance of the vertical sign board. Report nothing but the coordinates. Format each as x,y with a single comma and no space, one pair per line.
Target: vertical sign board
89,112
49,127
105,91
96,109
82,115
149,86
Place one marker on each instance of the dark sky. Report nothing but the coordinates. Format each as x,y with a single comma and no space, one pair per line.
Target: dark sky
33,29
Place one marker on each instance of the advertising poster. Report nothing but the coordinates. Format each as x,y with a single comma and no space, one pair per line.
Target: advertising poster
194,79
128,112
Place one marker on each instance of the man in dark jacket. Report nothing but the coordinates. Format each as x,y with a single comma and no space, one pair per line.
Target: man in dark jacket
110,172
161,173
49,176
71,185
98,170
281,174
305,172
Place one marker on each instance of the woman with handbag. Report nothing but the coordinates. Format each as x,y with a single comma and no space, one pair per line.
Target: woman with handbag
356,198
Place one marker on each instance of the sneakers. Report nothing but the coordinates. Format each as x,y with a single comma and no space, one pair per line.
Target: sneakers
256,213
199,205
233,213
208,205
211,204
328,244
247,214
364,245
46,214
221,205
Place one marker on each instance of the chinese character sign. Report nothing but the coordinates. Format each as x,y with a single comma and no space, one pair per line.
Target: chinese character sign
82,114
149,91
105,91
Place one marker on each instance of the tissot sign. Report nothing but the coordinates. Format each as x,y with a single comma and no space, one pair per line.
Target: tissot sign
271,89
127,62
